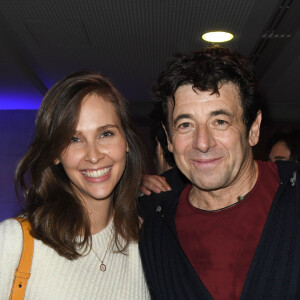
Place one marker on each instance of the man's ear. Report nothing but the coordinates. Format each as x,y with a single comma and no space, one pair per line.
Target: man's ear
56,161
170,146
255,130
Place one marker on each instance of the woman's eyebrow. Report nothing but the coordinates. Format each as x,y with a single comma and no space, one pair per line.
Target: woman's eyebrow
108,126
100,128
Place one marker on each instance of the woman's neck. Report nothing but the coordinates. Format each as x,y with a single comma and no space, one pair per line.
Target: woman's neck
100,213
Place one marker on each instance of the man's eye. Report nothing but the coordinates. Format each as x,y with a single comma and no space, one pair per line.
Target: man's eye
221,122
184,125
75,139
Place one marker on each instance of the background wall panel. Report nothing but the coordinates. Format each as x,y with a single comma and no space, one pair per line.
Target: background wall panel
16,131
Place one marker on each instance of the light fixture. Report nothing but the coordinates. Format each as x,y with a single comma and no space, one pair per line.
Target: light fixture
217,36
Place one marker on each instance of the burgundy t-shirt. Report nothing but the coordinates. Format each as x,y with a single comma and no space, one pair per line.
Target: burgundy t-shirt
221,245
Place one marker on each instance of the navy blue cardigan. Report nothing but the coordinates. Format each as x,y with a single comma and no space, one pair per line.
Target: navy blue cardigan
275,268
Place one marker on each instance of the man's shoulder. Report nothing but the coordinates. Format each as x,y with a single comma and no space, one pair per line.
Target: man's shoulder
288,169
155,203
175,178
283,168
148,205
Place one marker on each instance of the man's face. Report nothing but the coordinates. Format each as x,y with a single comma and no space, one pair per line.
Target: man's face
208,137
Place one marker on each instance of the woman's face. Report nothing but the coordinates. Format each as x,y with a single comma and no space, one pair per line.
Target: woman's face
96,156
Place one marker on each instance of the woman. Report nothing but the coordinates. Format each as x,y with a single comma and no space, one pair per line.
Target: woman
85,166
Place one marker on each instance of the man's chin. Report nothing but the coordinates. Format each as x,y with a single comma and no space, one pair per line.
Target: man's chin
206,185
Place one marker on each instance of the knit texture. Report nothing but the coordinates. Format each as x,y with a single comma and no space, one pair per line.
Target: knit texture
55,277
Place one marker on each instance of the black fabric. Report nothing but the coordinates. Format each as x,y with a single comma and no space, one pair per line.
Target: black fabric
149,204
275,268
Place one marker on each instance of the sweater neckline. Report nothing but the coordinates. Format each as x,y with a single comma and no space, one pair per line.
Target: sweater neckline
105,236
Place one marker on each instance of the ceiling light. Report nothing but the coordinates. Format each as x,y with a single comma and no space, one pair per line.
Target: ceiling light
217,36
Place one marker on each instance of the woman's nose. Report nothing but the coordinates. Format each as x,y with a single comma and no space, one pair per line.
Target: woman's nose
94,153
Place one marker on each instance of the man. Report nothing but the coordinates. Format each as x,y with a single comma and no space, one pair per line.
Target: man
233,232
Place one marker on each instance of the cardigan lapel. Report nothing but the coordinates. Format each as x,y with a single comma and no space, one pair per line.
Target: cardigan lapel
169,221
277,257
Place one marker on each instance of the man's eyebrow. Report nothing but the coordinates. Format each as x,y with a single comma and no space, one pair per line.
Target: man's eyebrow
182,116
221,112
212,114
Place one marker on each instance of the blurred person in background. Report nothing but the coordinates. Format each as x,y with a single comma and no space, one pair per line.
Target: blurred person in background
167,175
285,145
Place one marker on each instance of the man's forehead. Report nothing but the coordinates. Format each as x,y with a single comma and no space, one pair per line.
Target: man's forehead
189,94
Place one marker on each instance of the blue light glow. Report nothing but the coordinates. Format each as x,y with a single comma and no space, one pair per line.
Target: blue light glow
12,101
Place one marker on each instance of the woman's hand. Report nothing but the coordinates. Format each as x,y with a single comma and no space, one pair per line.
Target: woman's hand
153,183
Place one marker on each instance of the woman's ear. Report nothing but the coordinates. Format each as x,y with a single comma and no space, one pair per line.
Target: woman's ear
56,161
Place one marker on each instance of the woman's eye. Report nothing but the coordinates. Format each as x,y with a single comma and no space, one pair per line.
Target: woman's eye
106,134
75,139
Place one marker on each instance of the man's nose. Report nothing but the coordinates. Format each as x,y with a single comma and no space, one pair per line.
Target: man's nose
203,138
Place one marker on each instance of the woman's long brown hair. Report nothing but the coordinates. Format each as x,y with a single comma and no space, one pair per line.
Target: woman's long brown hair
55,212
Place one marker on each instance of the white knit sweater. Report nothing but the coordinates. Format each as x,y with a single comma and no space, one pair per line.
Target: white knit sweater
55,277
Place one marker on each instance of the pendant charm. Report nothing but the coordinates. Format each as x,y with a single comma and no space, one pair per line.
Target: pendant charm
103,267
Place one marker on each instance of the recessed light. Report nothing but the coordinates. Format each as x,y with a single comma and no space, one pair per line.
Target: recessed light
217,36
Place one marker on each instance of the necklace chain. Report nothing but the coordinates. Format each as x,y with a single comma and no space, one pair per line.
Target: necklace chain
239,199
102,266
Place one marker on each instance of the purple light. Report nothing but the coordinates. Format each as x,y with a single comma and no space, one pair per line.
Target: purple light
17,100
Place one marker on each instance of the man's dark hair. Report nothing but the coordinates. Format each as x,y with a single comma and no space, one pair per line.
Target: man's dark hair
207,70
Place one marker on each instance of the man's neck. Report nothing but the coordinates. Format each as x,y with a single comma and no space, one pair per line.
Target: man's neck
227,196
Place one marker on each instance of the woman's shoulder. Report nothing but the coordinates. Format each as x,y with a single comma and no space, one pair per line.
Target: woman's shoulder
11,235
11,238
10,227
